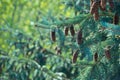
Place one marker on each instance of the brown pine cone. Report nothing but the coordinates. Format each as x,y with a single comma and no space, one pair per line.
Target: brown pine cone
52,35
96,15
95,57
116,19
91,2
72,31
107,54
75,55
66,31
103,4
94,7
79,37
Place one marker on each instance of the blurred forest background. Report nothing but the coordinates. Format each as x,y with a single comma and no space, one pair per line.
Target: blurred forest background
59,40
20,15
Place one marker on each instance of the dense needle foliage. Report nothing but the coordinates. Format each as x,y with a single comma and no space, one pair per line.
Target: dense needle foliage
59,40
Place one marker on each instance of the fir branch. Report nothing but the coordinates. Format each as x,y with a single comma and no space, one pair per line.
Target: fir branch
69,21
44,69
19,59
75,20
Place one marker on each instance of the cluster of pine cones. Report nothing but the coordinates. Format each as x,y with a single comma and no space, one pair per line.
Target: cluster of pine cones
96,4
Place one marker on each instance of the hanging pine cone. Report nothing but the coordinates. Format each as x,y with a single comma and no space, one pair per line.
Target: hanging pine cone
95,57
79,37
72,31
96,15
66,31
91,2
94,7
75,55
52,35
94,10
116,19
103,4
107,54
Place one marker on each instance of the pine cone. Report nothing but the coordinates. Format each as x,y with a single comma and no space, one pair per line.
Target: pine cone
72,31
75,55
91,2
116,19
103,4
96,15
94,7
107,54
53,37
66,31
96,57
79,37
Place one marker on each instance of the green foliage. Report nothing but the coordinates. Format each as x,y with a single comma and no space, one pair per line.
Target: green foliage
28,53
